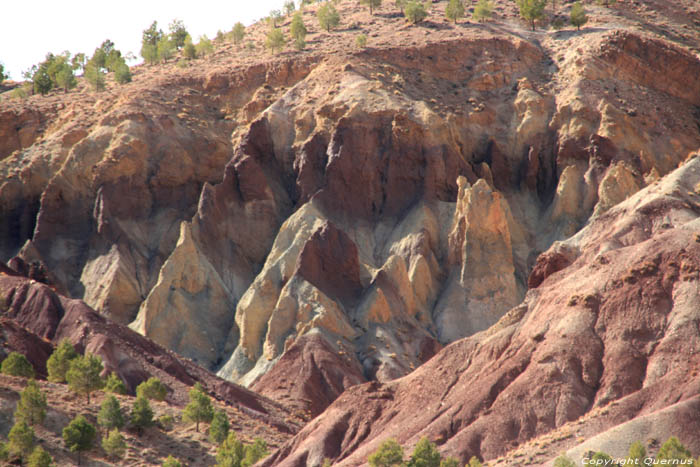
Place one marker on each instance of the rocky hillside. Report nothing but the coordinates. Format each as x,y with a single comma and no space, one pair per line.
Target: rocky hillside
307,221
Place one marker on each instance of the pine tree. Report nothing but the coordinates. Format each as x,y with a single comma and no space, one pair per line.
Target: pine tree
149,43
152,389
578,15
637,453
199,408
83,375
31,407
204,46
94,77
141,414
415,12
328,17
114,444
39,458
114,384
388,454
254,452
79,435
275,40
483,10
231,452
218,430
110,414
238,33
298,31
372,4
20,440
59,361
65,77
673,450
178,33
449,462
454,10
425,454
17,364
531,10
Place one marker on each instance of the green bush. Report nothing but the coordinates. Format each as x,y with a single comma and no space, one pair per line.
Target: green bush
114,384
114,444
166,422
636,454
564,461
95,77
414,12
149,43
199,408
59,361
178,33
152,389
233,453
482,11
474,462
39,458
17,364
297,29
328,17
3,75
79,435
122,74
531,10
454,10
449,462
31,407
389,453
361,40
83,375
673,450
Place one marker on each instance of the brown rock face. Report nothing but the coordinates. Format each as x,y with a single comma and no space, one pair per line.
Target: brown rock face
14,338
605,332
329,262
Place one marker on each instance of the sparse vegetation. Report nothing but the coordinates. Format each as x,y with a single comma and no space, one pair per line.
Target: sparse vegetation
449,462
361,40
149,43
79,435
673,450
233,453
17,364
637,454
425,454
171,462
328,17
454,10
31,407
578,15
274,18
289,7
199,408
83,375
474,462
564,461
482,11
415,12
178,33
204,46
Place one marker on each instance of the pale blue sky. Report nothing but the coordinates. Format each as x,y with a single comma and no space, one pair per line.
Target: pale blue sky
28,30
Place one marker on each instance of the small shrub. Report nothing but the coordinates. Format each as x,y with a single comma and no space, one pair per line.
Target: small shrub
474,462
114,444
166,49
59,361
166,422
17,364
637,454
95,77
449,462
361,40
414,12
141,414
564,461
189,51
673,450
425,454
122,74
297,29
20,440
